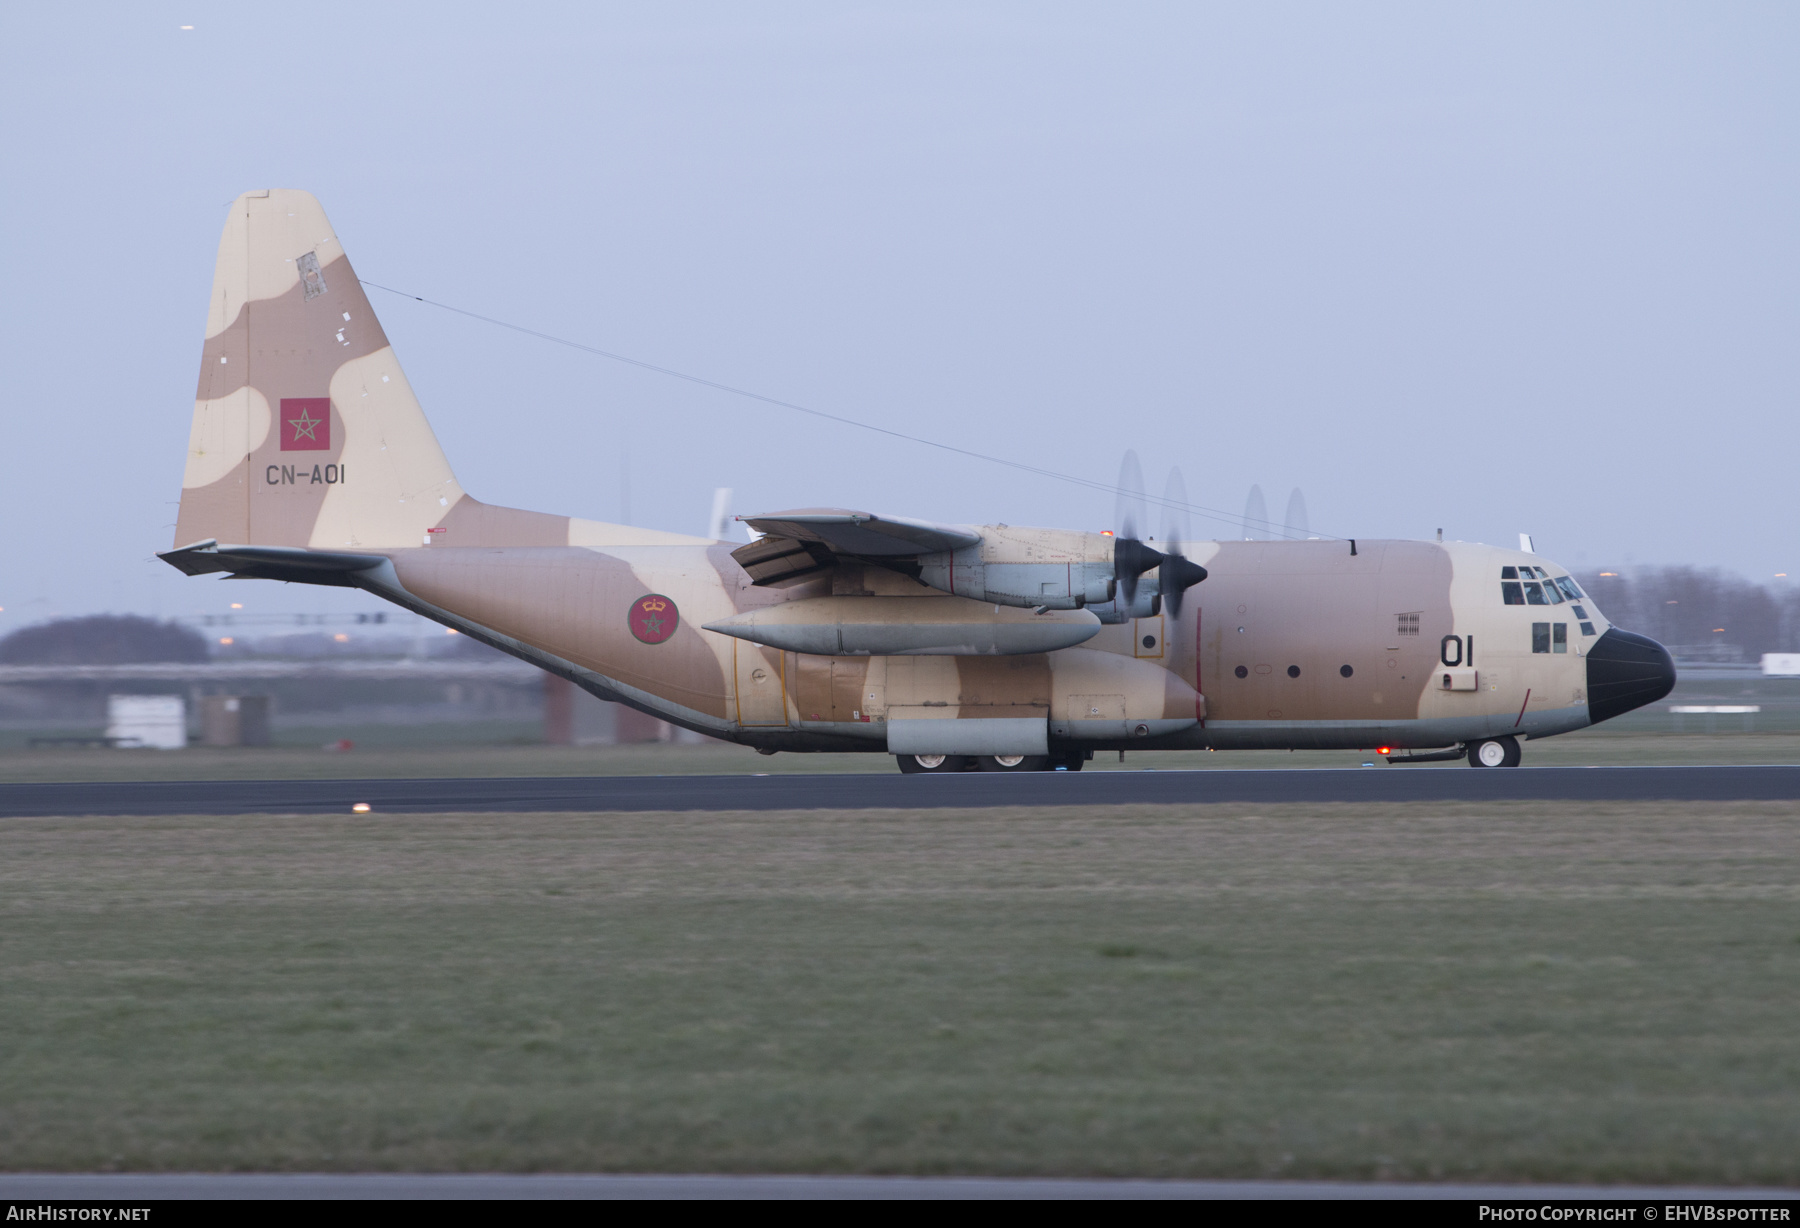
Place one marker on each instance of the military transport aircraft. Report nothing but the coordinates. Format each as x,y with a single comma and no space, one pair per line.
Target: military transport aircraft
952,647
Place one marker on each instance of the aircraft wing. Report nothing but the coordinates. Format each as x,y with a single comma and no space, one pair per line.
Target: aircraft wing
800,543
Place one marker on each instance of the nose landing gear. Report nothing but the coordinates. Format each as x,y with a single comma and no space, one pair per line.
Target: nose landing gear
1495,752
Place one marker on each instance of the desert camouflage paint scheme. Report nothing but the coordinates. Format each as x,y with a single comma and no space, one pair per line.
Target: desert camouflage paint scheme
310,459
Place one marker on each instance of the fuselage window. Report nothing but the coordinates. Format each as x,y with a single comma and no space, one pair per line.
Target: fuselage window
1587,628
1510,590
1540,637
1568,587
1534,593
1559,638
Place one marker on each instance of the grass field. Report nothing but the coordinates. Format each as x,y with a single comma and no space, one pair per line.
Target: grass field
453,757
1514,991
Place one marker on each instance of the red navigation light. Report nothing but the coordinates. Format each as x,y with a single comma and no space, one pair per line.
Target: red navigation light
1106,533
1382,750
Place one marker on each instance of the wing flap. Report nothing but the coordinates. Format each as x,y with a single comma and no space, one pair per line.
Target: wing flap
782,560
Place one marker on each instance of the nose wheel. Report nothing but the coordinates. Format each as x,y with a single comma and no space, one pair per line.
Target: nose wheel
1495,752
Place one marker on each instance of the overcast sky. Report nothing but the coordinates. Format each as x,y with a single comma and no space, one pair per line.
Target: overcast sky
1494,268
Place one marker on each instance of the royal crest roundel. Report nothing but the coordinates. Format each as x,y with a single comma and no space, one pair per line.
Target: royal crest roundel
653,618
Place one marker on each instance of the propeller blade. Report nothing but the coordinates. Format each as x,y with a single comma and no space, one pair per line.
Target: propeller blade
1129,516
1295,520
1175,574
1174,512
1256,517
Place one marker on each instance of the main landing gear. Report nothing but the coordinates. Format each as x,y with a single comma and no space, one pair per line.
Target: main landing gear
1014,763
1495,752
912,765
916,764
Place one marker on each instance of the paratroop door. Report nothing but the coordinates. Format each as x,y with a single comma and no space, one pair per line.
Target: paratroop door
761,684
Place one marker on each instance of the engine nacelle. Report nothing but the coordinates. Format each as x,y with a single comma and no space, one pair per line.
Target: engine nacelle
1057,569
1147,602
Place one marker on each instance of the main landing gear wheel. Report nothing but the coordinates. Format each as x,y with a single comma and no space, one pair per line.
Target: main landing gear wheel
1015,763
1495,752
912,764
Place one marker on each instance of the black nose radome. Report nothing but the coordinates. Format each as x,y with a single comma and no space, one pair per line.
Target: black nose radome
1626,671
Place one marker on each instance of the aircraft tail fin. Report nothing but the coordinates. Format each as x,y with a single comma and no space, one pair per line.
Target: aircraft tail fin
305,431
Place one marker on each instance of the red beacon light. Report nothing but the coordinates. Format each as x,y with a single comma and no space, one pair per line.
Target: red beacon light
1382,750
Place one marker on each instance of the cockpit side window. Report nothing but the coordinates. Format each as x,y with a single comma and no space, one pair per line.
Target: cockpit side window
1534,593
1509,573
1510,590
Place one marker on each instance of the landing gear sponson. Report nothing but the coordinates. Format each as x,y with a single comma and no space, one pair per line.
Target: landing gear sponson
1487,753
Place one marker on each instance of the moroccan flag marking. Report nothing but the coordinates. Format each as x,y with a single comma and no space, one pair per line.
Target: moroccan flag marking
653,618
306,424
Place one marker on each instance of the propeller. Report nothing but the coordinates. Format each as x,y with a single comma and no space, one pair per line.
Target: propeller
1256,517
1175,574
1132,557
1295,520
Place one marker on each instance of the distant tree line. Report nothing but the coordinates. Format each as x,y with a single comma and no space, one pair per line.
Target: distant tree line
103,639
1691,607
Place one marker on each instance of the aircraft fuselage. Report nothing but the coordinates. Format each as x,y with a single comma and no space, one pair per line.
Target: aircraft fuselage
1286,644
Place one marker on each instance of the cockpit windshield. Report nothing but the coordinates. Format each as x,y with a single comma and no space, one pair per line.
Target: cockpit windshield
1525,584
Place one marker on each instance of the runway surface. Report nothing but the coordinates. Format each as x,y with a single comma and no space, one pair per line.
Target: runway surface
110,1187
826,792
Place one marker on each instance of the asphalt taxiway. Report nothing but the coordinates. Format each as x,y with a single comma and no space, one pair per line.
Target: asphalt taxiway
150,1187
860,792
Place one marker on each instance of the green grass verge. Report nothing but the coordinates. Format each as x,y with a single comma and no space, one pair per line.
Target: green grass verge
452,757
1511,992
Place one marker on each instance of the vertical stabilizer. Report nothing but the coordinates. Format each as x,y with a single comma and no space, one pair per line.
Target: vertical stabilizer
305,430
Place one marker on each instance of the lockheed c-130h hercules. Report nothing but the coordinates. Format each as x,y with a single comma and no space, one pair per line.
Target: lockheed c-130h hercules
948,646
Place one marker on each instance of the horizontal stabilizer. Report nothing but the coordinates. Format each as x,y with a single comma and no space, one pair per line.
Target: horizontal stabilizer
291,563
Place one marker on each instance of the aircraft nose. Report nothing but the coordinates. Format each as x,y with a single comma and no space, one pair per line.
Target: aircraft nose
1625,671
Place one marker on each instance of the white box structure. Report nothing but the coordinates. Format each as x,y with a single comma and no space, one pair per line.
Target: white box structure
1781,664
157,722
